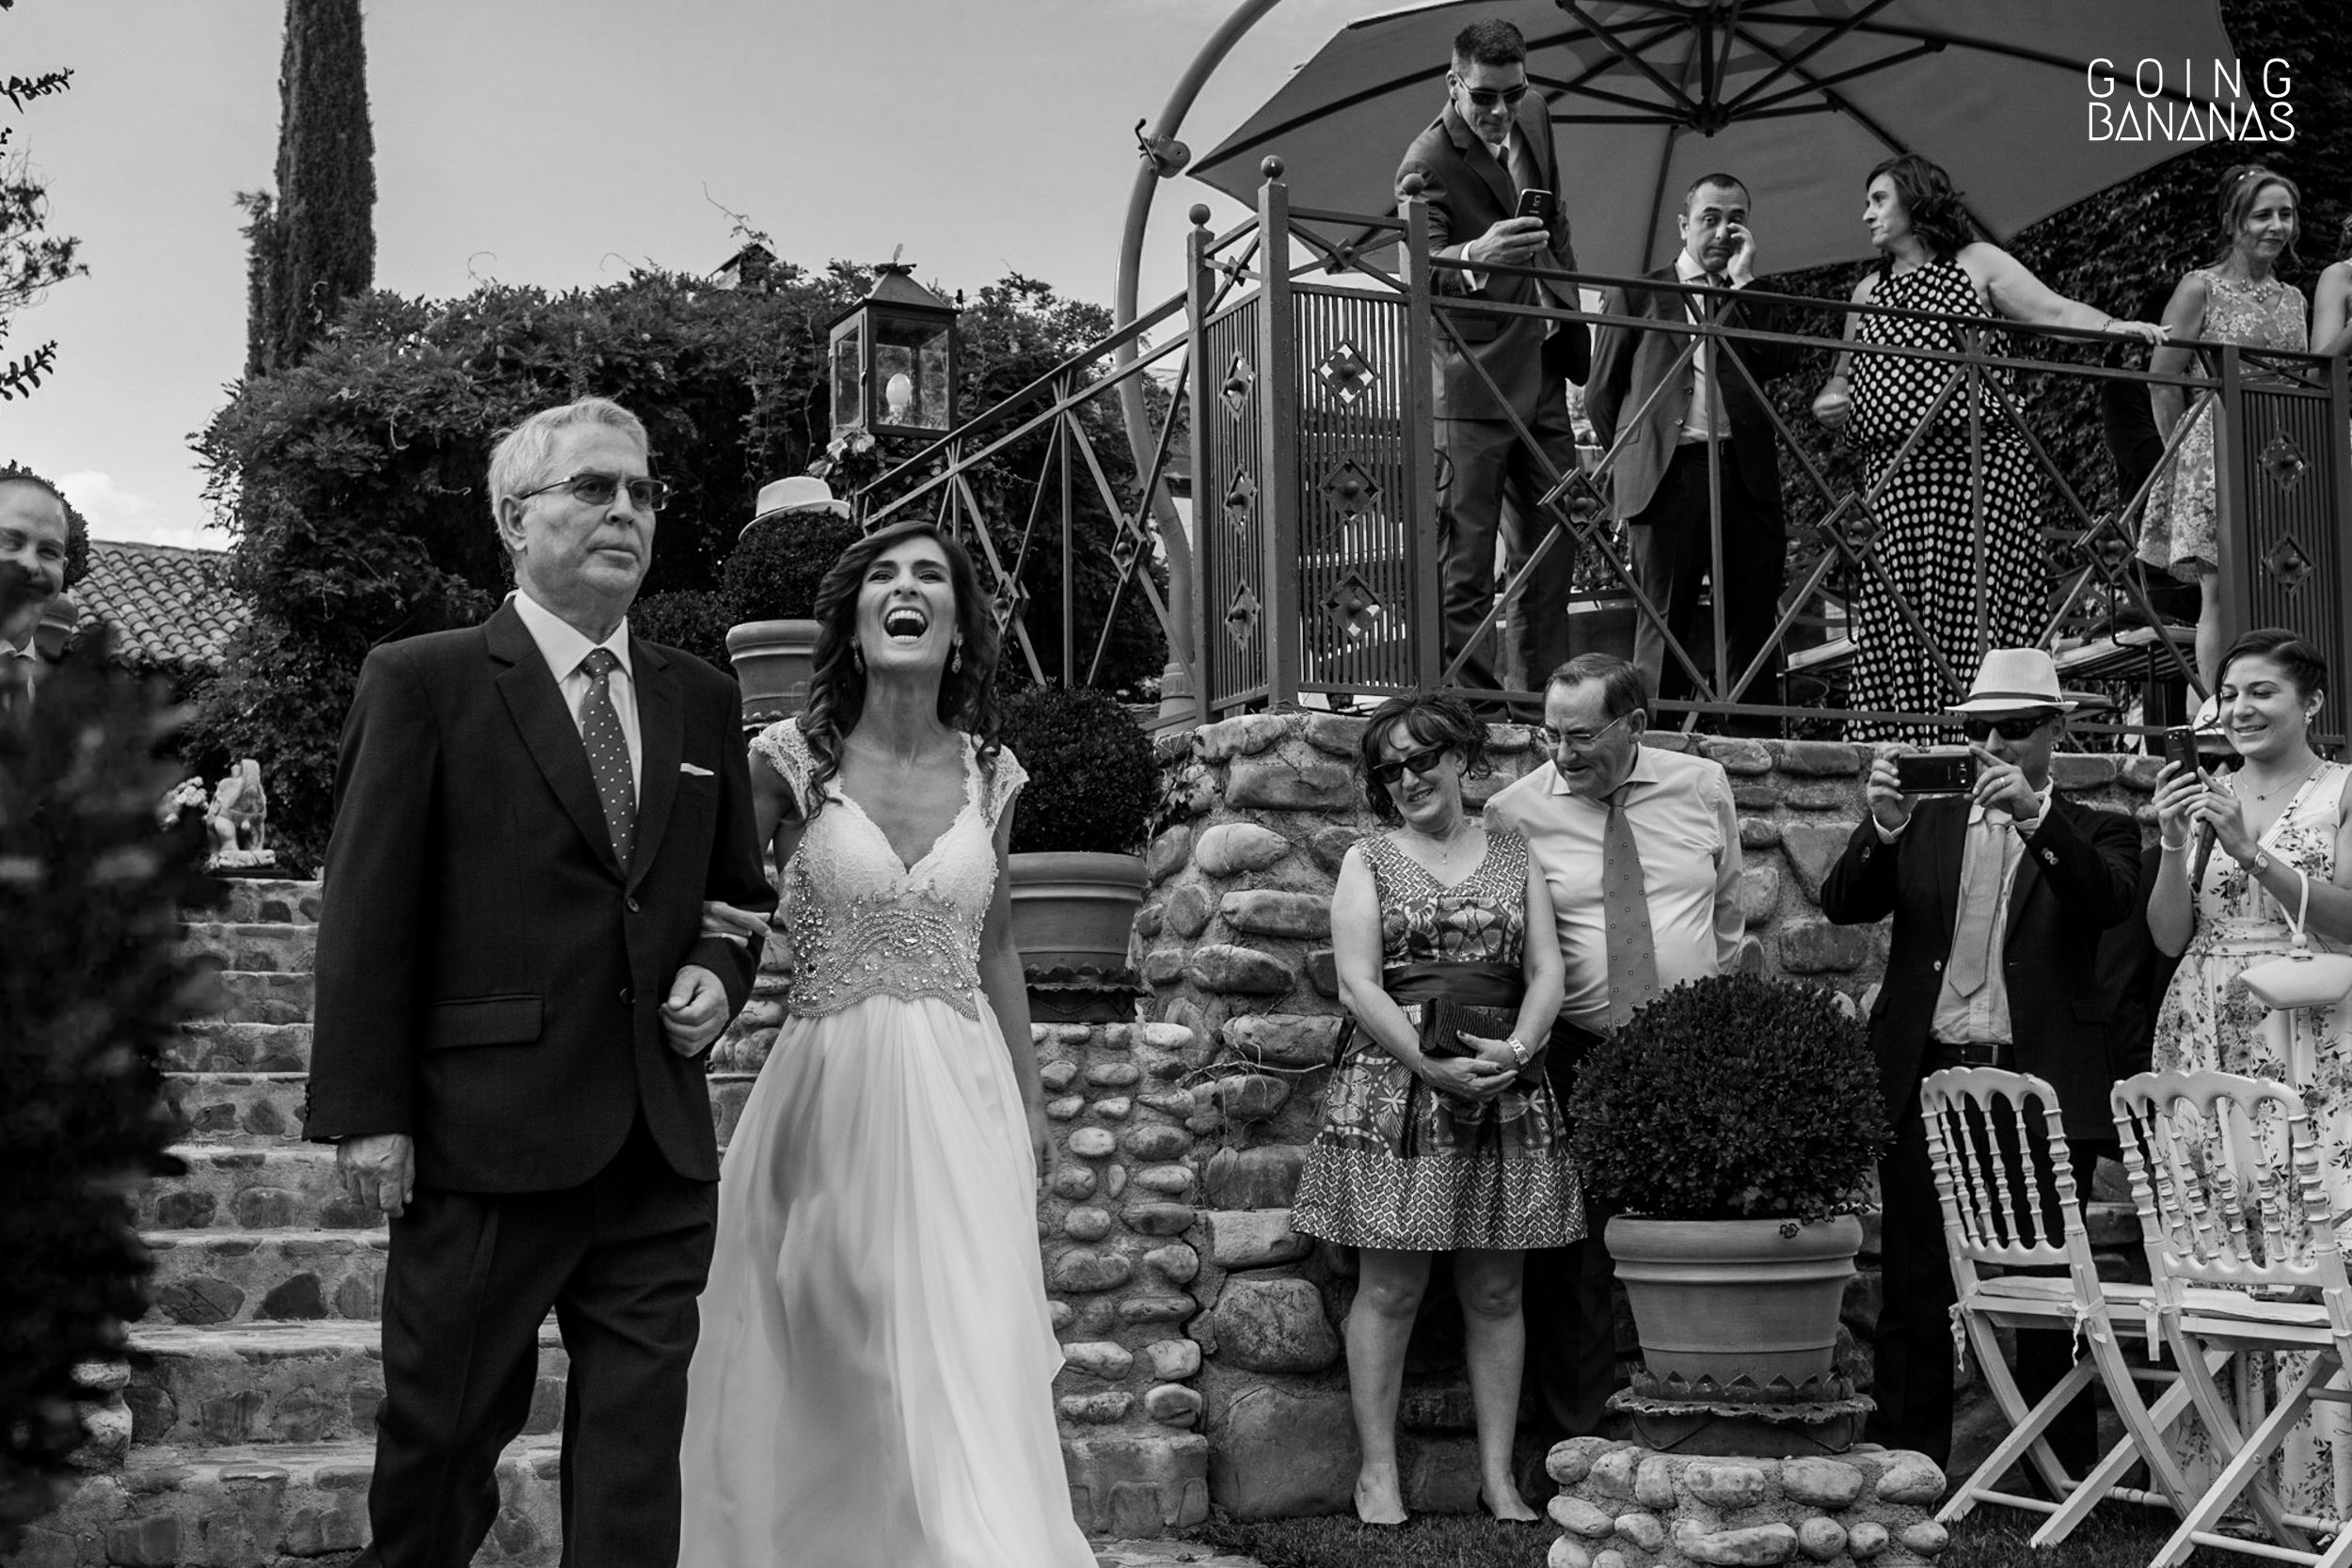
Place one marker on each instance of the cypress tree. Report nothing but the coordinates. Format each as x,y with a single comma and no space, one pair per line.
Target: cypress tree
317,247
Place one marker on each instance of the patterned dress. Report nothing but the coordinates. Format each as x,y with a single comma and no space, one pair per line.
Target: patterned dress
1926,542
1399,1164
2209,1022
2178,530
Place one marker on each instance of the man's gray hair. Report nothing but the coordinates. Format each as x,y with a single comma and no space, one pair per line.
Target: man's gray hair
520,461
1623,688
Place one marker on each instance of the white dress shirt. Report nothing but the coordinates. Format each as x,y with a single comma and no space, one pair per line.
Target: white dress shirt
1982,1019
1688,832
1699,414
564,647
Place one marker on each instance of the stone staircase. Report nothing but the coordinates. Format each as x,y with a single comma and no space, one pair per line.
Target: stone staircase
255,1374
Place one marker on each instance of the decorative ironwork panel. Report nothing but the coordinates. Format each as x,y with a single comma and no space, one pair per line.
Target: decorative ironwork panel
2293,551
1352,587
1228,520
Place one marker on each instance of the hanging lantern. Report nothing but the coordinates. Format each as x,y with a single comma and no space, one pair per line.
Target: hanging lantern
894,360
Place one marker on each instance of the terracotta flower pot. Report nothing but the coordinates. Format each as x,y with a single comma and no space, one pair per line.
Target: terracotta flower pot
1722,1299
774,661
1075,909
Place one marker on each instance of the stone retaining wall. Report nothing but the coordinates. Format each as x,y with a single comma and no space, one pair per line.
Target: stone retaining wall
1233,940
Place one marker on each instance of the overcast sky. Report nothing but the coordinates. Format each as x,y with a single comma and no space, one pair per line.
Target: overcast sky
562,142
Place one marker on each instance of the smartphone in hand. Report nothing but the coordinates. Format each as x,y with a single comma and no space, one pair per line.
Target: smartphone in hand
2180,748
1536,204
1936,772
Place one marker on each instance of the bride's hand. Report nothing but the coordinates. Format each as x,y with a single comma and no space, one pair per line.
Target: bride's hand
725,920
1041,1143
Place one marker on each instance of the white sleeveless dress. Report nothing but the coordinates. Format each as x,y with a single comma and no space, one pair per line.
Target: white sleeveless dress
873,1382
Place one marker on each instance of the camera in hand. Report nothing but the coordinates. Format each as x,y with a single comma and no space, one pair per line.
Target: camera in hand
1536,204
1936,773
2180,748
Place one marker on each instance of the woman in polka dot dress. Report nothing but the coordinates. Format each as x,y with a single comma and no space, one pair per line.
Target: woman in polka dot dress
1932,521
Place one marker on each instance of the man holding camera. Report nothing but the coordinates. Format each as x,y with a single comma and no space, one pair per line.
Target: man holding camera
1999,890
1490,177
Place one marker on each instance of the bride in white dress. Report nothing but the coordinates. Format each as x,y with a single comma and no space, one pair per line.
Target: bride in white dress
873,1383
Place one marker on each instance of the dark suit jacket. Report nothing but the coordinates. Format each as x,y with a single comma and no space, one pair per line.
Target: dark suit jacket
489,976
1628,363
2079,875
1469,193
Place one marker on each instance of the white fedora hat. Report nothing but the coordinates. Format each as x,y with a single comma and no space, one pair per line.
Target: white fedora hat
2014,678
799,493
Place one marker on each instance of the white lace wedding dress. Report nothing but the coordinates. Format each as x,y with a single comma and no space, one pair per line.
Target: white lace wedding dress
873,1381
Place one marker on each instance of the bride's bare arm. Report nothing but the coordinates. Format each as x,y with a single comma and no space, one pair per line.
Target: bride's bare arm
1007,995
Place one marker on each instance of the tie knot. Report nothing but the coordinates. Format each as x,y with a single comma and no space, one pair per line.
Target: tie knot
599,663
1615,800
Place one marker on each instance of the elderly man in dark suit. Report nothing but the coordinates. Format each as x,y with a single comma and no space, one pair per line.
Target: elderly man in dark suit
1999,896
1683,418
514,992
1493,143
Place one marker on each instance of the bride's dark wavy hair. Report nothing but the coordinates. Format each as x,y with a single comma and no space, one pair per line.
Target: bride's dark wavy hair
1929,200
836,691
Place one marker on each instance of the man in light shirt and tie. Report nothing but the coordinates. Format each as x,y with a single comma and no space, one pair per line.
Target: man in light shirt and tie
35,535
1640,850
1491,146
1998,897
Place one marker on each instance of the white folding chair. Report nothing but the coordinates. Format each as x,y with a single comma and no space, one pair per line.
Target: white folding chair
2240,1234
1995,1180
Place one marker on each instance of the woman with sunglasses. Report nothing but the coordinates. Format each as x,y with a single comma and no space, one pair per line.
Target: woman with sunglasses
2239,854
1439,1133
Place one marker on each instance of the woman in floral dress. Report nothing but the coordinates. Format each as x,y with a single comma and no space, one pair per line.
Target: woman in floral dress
1439,1135
2281,820
2235,300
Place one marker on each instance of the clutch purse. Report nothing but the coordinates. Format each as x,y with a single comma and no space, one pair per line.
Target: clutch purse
2301,978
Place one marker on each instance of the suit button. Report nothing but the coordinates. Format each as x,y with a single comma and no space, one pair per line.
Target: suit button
628,995
1939,966
630,904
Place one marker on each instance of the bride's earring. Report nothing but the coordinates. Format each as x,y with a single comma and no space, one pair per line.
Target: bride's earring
954,660
857,657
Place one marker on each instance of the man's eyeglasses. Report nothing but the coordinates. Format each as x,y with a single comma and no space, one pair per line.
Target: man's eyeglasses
2021,727
591,488
1386,773
1580,740
1496,97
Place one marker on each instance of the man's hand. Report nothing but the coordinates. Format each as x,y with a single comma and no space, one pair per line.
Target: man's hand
379,1170
1889,805
1742,267
2003,785
695,1010
1514,241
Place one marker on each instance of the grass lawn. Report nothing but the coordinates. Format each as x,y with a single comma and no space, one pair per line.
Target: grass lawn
2118,1536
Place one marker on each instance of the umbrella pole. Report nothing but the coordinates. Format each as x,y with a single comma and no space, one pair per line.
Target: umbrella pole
1173,703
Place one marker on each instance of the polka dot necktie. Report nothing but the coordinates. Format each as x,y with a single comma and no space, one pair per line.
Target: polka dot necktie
607,751
1630,949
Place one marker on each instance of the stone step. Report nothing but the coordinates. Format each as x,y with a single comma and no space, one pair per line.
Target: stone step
223,1276
260,996
256,901
287,949
214,1045
281,1382
214,1106
268,1503
252,1186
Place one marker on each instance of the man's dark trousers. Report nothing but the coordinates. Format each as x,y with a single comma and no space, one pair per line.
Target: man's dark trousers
1568,1296
1493,485
1674,557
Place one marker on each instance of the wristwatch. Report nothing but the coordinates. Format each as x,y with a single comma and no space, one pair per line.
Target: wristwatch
2260,864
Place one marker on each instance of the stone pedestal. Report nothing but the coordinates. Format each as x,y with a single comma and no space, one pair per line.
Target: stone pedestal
1622,1505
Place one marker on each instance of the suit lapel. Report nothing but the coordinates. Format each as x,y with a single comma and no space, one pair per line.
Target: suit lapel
2028,879
536,705
661,735
1951,839
1481,162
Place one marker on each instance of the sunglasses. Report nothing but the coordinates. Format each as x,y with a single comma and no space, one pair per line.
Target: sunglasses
594,489
2020,728
1496,97
1386,773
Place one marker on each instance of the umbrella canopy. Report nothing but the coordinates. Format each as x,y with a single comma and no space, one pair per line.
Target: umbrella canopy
1797,98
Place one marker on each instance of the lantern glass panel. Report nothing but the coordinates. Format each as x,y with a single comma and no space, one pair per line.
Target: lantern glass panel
849,378
911,370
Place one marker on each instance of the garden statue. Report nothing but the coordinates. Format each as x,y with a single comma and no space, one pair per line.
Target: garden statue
237,820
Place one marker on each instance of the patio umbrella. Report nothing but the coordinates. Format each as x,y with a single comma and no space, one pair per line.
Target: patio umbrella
1798,98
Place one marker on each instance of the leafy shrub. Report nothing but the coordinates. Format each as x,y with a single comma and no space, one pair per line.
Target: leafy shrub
693,619
1731,1098
92,985
1093,781
772,572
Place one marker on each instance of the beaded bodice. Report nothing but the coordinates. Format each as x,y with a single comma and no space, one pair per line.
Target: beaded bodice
862,923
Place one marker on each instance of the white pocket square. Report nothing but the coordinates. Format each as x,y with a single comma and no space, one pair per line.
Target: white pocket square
689,768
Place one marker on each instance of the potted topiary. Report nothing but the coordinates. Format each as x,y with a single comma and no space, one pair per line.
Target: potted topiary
770,585
1077,833
1735,1122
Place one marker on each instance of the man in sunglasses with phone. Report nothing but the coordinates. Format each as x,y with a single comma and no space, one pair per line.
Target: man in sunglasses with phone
1483,163
1999,890
515,992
